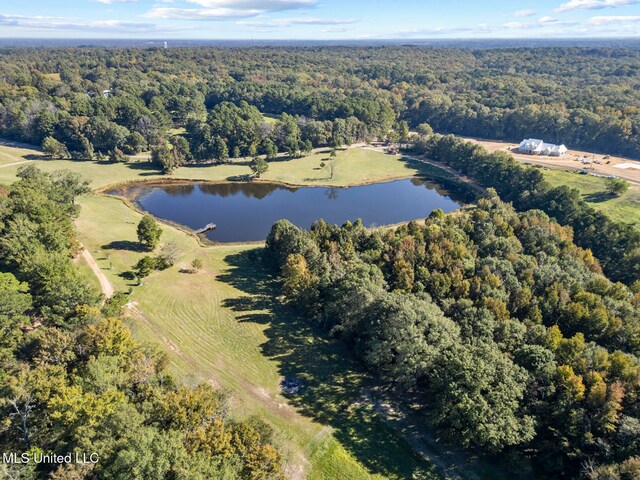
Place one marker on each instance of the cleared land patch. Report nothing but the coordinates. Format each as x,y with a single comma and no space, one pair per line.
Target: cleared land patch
624,208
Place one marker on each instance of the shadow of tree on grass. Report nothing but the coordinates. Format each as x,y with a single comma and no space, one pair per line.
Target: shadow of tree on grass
125,245
332,381
598,197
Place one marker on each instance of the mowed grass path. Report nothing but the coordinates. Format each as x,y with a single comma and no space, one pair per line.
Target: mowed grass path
625,208
223,325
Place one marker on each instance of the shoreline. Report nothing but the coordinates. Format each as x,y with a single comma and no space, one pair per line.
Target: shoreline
131,202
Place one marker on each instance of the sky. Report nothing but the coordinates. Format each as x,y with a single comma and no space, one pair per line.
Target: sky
318,19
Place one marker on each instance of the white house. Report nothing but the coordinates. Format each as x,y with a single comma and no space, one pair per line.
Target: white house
554,150
534,146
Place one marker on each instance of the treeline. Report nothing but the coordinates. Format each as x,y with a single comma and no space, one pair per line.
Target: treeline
494,322
131,99
240,130
616,245
74,381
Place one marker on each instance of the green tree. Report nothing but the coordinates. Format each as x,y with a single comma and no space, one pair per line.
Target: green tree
53,148
476,394
220,150
149,232
259,166
167,157
118,156
617,186
404,335
270,149
145,266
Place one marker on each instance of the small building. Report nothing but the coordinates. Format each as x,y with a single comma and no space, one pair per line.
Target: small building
554,150
106,93
534,146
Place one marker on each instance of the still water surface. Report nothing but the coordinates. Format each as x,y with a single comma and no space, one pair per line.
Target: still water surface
245,211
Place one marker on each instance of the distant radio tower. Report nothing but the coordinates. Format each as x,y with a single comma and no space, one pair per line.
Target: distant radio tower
165,45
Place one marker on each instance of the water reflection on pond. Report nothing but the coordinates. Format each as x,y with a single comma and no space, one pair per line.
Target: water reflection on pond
245,211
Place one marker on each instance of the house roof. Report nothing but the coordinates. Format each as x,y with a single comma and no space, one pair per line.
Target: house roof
536,144
531,144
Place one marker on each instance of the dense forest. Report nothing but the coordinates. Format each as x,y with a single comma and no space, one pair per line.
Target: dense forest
73,379
504,330
101,101
616,245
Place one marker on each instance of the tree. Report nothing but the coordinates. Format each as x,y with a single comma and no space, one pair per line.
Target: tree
404,336
259,166
617,186
424,129
15,300
53,148
149,232
181,147
299,283
476,394
118,156
168,256
167,157
270,149
145,266
307,147
403,130
220,150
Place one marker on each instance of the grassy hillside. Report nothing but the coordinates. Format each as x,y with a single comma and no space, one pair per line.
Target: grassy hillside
625,208
351,166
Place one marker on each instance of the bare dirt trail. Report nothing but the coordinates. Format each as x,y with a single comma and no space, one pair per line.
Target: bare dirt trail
15,163
105,284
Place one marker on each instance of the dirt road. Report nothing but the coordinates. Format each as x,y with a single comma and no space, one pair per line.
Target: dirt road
572,160
105,284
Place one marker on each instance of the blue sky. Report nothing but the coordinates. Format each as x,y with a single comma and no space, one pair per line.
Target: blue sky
318,19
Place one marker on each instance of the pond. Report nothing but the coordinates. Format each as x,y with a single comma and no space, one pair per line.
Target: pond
244,212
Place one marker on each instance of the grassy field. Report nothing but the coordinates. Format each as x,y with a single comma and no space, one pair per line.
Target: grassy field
223,326
13,154
351,166
625,208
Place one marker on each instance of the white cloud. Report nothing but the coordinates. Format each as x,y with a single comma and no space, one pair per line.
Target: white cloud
549,21
593,4
287,22
527,12
335,30
36,22
612,19
229,9
543,26
263,5
200,13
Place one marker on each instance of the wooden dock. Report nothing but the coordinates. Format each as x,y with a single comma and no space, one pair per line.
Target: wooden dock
206,228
